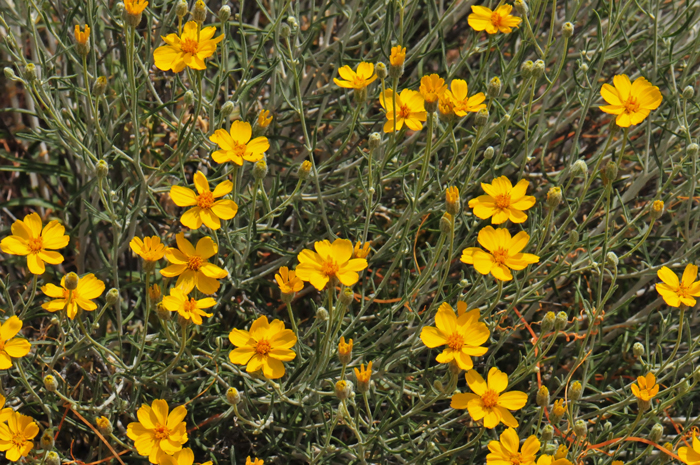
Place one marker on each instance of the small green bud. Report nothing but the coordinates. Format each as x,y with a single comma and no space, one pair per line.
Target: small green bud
380,69
638,349
573,237
488,153
567,30
548,322
99,87
538,69
285,31
322,314
543,396
199,12
233,397
526,69
30,72
71,281
494,88
561,321
521,7
188,98
610,171
227,109
50,383
554,197
446,223
547,433
112,296
102,169
583,67
580,428
683,387
53,459
162,312
292,21
576,391
656,432
346,297
482,116
611,259
688,92
437,384
181,9
664,457
10,73
580,168
343,389
224,14
260,169
374,140
691,150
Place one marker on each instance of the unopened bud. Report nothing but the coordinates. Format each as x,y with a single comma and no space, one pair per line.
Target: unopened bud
482,116
224,14
380,69
71,282
521,7
583,67
683,387
104,425
526,69
199,12
181,9
99,87
292,21
538,69
30,73
610,172
691,150
322,314
374,140
346,297
446,223
561,321
285,31
688,92
188,99
102,169
162,312
611,259
47,441
227,109
576,391
657,209
567,30
664,457
233,397
580,428
52,459
488,153
656,432
9,73
345,351
112,297
304,170
580,168
548,322
343,389
638,349
50,383
573,237
260,169
494,88
554,197
547,433
437,384
543,396
452,201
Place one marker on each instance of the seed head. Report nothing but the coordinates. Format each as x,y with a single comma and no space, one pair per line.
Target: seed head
30,73
260,169
53,459
547,433
482,116
548,322
99,87
346,297
181,9
46,440
526,69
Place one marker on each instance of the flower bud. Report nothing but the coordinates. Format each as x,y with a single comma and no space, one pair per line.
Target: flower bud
538,69
322,314
162,312
543,396
656,432
374,140
380,69
199,12
104,425
30,73
102,169
488,153
610,172
580,428
227,109
224,14
71,281
576,391
346,297
293,24
53,459
638,349
452,202
547,433
446,223
580,168
112,297
50,383
573,237
583,67
188,98
548,322
482,116
494,88
9,73
285,31
345,351
688,92
567,30
554,197
657,209
260,169
233,397
181,9
558,411
521,7
561,321
691,150
304,170
611,259
343,389
46,440
437,384
99,87
526,69
683,387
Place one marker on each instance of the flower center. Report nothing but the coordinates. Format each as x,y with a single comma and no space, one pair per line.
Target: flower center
496,19
35,244
682,291
18,440
330,267
189,46
161,432
205,200
455,341
502,201
238,149
195,262
490,398
404,112
515,459
190,305
500,255
263,347
631,104
358,82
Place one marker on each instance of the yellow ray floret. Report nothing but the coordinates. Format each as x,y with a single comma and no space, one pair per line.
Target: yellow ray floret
236,146
484,19
504,253
630,101
189,50
264,347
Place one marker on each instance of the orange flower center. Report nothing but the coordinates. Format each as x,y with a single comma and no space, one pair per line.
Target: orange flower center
404,112
161,432
189,45
631,104
330,267
195,263
500,255
455,341
263,347
205,200
502,201
190,305
516,459
238,149
682,291
496,19
490,398
35,244
18,440
358,82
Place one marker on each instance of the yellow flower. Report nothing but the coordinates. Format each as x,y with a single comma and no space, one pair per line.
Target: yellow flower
361,250
89,287
255,461
647,387
151,249
264,347
236,146
463,336
328,262
9,346
82,37
264,118
344,349
154,292
505,253
206,209
489,402
288,282
356,80
5,413
550,460
135,7
483,19
185,456
409,107
189,50
676,293
28,238
432,87
16,436
446,105
363,377
192,266
507,450
158,432
690,455
502,201
562,452
464,104
103,423
559,408
398,55
187,307
631,102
